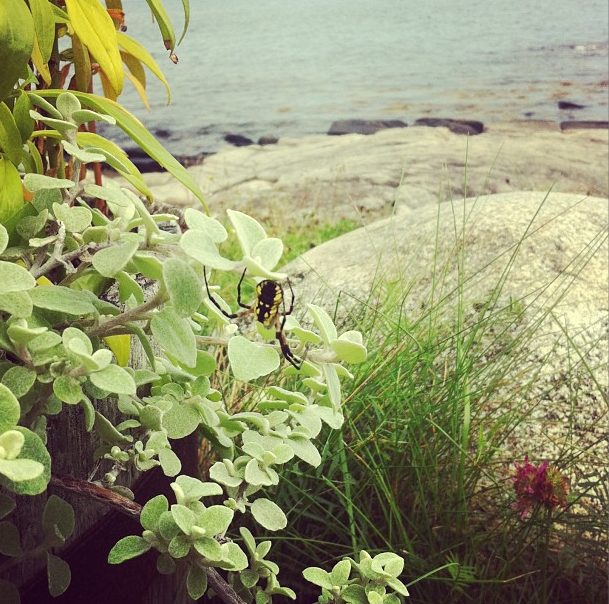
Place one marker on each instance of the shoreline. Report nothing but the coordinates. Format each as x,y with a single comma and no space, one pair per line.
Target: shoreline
471,127
368,177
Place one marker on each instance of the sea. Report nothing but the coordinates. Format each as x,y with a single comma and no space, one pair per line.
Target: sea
286,68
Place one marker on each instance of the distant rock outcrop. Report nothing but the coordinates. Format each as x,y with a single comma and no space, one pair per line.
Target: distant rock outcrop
341,127
567,105
456,126
238,140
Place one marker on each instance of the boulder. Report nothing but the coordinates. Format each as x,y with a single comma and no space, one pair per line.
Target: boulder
238,140
584,125
567,105
268,140
549,254
341,127
456,126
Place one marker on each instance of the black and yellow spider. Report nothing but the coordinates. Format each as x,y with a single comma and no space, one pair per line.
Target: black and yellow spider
269,308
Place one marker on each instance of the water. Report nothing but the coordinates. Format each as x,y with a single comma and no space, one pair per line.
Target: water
291,67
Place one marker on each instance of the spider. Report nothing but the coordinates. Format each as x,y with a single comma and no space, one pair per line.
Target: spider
270,298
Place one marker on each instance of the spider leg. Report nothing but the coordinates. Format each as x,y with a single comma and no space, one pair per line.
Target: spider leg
215,303
239,292
289,312
283,343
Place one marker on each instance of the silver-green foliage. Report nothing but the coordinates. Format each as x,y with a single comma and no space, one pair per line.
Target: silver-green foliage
374,581
59,339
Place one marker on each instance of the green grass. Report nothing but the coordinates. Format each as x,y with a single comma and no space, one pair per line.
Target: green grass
421,466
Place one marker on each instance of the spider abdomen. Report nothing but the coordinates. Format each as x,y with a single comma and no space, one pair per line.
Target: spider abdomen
269,296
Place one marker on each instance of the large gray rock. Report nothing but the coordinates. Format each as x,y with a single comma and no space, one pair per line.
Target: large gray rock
365,177
548,254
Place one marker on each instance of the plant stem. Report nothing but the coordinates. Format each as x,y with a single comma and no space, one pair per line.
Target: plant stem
135,314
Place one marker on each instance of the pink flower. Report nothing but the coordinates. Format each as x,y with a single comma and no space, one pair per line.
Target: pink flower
541,485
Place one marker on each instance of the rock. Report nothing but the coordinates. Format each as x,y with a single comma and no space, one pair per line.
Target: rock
363,126
456,126
566,105
162,133
548,252
145,164
238,140
579,125
399,170
268,140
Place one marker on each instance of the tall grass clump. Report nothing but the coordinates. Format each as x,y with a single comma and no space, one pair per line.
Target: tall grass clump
437,422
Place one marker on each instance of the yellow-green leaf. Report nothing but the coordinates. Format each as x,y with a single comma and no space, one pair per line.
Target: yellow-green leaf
10,137
138,133
16,43
121,347
82,64
164,23
40,64
137,77
11,193
134,48
96,31
21,113
44,26
186,7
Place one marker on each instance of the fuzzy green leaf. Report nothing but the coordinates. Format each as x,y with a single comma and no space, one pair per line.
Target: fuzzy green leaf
175,336
340,572
33,450
127,548
199,246
170,462
151,512
62,299
323,321
165,564
196,582
67,389
179,546
10,542
318,576
216,519
269,514
114,379
9,409
18,304
183,517
4,238
234,555
250,360
184,286
75,219
209,548
181,420
58,518
111,260
39,182
201,222
350,352
14,278
7,505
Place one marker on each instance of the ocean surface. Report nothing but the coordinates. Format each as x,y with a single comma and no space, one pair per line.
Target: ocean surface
291,67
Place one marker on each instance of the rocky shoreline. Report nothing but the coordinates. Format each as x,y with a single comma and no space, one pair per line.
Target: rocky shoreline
368,177
352,126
